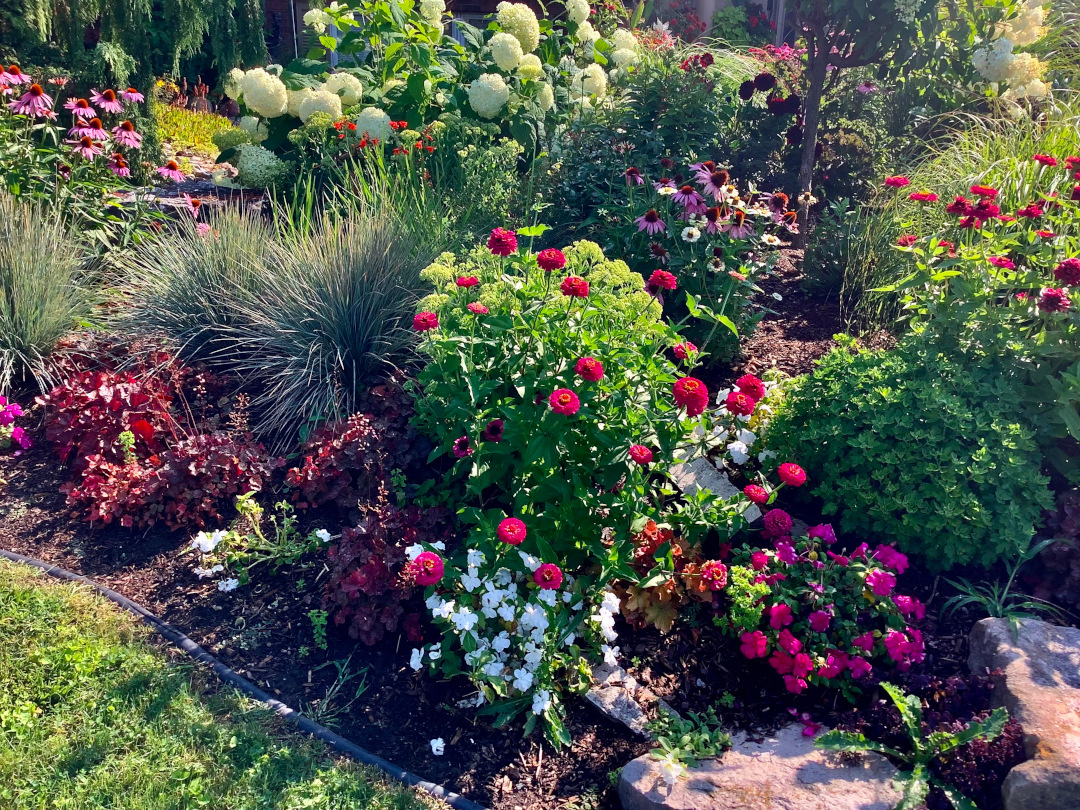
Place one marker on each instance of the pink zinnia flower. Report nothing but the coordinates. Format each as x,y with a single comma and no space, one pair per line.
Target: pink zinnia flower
35,103
1054,300
132,96
548,576
897,181
684,350
792,474
85,148
427,569
714,574
467,281
125,135
923,196
641,454
502,242
692,394
118,166
13,76
778,523
171,171
425,321
107,100
80,108
986,192
476,308
752,386
1003,262
511,531
564,401
551,259
756,494
1068,272
575,287
907,240
589,368
661,280
1045,160
650,222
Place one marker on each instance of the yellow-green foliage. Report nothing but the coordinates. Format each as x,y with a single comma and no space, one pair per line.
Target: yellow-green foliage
187,129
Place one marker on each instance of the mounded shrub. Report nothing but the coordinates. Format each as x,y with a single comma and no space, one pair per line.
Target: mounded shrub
912,448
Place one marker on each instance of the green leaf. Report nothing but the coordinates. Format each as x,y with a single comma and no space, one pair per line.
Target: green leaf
533,230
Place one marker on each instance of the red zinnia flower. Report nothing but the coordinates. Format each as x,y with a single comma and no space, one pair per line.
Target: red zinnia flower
641,454
511,531
564,401
986,192
662,280
427,568
1068,272
575,287
1076,193
502,242
691,393
959,206
778,522
907,240
1072,163
476,308
467,281
423,321
1045,160
551,259
1054,300
740,403
756,494
792,474
752,386
1003,262
923,196
589,369
1033,211
714,574
684,350
548,576
897,181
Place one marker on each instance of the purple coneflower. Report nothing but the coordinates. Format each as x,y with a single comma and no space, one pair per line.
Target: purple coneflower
650,222
633,176
35,103
80,108
202,228
738,227
85,147
125,135
13,76
867,88
688,197
713,181
663,182
658,251
59,81
706,165
193,205
89,129
713,219
107,101
171,171
118,166
132,96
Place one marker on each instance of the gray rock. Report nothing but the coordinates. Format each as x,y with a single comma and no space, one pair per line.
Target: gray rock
1040,686
614,692
701,474
784,772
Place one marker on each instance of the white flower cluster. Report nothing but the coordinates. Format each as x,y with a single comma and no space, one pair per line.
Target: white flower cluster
263,93
432,11
255,127
546,97
577,11
997,61
319,18
518,19
321,101
488,95
374,122
206,543
604,618
232,83
592,81
346,86
625,46
257,167
530,67
1028,26
505,50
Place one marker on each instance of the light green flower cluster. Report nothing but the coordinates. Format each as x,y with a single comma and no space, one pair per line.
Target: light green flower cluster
258,167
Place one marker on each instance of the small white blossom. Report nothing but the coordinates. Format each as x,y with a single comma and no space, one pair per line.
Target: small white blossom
475,558
691,235
323,535
445,610
203,573
611,655
465,620
666,191
493,669
501,642
739,452
541,701
227,585
548,597
671,769
417,660
413,551
531,562
470,581
523,679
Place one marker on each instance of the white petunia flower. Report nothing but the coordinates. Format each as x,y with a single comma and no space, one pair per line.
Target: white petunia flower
417,660
739,452
671,769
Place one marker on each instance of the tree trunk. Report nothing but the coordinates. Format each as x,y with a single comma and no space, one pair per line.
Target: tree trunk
817,67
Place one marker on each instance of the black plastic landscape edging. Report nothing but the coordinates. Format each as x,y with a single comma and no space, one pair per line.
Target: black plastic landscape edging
226,674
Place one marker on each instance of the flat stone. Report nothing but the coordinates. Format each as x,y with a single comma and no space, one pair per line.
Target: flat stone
701,474
614,693
784,772
1040,686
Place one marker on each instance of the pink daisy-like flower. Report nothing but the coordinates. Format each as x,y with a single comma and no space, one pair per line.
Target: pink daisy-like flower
923,196
633,176
502,242
589,368
897,181
13,76
80,108
564,401
551,259
89,129
752,386
107,100
132,96
714,182
118,166
575,287
1068,272
757,494
690,200
511,531
650,222
427,569
738,227
85,148
1003,262
476,308
193,205
35,103
171,171
641,454
663,182
548,576
661,280
124,134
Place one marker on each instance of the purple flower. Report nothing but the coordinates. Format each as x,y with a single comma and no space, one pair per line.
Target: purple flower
688,197
35,103
823,532
650,222
881,582
820,620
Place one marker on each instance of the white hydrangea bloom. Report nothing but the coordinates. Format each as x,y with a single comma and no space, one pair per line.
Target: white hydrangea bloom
264,93
530,67
577,11
317,20
347,86
593,81
519,20
488,95
586,33
432,11
623,57
321,101
232,83
257,167
374,122
546,98
505,50
1028,27
293,99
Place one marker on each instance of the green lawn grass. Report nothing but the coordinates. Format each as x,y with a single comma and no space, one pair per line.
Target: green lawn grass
93,716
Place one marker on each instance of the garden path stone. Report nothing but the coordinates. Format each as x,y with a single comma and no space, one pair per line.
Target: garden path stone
782,772
701,474
614,693
1040,686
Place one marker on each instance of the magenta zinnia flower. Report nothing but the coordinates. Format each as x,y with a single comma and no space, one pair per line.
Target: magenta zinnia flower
89,129
548,576
125,135
85,148
107,101
13,76
650,222
1054,300
427,569
171,171
132,96
502,242
35,103
688,197
118,166
897,181
80,108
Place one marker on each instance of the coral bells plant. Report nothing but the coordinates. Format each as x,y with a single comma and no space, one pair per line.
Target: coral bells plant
827,618
565,465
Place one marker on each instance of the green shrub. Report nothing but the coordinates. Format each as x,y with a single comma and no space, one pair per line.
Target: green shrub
44,293
912,448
